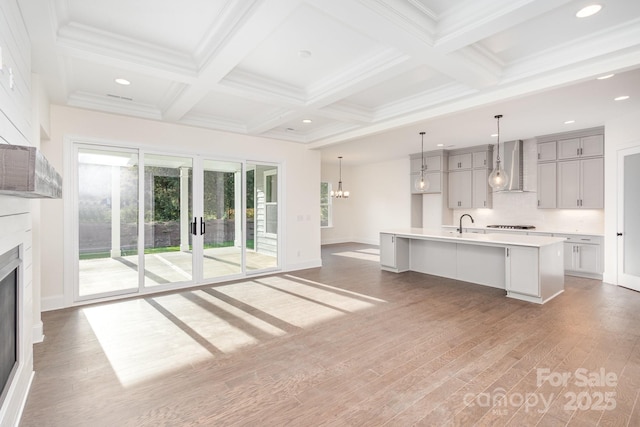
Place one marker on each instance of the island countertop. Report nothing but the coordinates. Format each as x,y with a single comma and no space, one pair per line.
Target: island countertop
494,239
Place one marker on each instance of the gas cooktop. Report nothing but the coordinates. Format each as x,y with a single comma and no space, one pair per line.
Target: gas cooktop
513,227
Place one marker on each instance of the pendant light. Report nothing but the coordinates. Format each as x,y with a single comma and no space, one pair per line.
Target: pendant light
421,183
340,194
498,178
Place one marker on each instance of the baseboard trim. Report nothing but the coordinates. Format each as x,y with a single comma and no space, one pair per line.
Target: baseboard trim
304,265
52,303
37,332
334,241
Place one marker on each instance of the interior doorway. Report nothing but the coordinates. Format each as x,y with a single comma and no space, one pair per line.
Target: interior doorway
628,224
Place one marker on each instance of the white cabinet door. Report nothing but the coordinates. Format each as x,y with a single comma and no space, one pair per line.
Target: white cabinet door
547,151
569,256
387,250
569,148
547,185
592,146
480,159
481,196
460,189
592,183
416,165
569,184
432,163
433,179
522,270
587,259
460,161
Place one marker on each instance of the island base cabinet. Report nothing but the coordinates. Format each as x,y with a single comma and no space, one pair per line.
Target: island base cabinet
534,275
394,253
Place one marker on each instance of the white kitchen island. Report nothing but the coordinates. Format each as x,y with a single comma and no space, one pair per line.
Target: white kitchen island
529,268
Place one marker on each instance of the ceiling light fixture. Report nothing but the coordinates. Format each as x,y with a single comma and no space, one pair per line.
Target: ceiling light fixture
568,122
123,82
440,145
588,11
340,194
421,183
498,178
621,98
307,120
608,76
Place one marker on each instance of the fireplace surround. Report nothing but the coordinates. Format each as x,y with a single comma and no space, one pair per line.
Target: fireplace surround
15,269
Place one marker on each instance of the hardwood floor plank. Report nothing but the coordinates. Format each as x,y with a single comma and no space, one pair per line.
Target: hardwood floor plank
345,344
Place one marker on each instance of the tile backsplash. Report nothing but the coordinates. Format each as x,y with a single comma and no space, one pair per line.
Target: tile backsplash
521,207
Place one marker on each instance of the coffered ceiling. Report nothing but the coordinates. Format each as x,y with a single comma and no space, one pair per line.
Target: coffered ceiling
352,67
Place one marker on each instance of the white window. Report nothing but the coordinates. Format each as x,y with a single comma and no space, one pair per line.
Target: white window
326,214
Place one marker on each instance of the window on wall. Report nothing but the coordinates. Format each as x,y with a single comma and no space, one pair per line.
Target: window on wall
325,205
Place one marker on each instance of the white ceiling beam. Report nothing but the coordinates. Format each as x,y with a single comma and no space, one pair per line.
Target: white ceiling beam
473,21
372,18
259,20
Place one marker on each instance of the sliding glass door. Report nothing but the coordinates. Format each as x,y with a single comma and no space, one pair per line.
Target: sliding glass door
262,212
157,221
168,207
107,220
222,219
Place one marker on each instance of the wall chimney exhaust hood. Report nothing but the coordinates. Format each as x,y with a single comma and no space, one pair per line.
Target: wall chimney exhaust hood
25,172
513,166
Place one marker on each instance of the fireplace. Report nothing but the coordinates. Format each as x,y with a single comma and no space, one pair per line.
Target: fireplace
9,263
16,308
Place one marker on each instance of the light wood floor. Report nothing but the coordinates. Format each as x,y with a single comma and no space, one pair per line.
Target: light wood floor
345,344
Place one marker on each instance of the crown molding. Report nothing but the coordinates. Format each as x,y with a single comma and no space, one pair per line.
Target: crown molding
211,122
90,43
113,105
255,86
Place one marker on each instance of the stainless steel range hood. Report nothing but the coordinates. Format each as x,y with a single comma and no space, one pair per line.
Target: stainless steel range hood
25,172
513,165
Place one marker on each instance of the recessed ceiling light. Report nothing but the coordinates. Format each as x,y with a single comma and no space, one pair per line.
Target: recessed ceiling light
608,76
440,145
304,54
123,82
621,98
568,122
307,120
588,11
493,135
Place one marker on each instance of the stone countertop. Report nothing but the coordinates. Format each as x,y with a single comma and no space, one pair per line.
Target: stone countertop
492,239
536,230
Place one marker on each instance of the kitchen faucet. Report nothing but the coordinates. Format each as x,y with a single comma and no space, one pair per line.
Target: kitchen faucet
462,216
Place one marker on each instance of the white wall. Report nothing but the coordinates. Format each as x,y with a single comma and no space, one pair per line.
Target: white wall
620,133
381,199
16,128
300,174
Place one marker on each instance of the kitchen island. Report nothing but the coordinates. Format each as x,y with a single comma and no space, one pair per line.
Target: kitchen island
529,268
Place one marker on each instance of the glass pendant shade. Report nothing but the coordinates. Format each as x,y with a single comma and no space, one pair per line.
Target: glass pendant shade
498,178
421,183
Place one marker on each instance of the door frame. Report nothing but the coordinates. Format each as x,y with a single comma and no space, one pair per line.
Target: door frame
70,221
632,281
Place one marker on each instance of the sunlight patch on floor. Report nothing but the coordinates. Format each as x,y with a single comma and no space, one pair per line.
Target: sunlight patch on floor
365,256
140,342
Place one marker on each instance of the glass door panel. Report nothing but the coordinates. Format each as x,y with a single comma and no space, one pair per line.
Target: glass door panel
262,214
168,213
222,210
107,221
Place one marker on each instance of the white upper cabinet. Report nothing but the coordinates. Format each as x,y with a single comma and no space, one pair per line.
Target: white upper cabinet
581,184
547,151
460,161
547,185
480,160
574,148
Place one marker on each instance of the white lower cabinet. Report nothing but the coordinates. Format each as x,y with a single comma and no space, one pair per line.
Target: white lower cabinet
583,255
522,270
394,253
